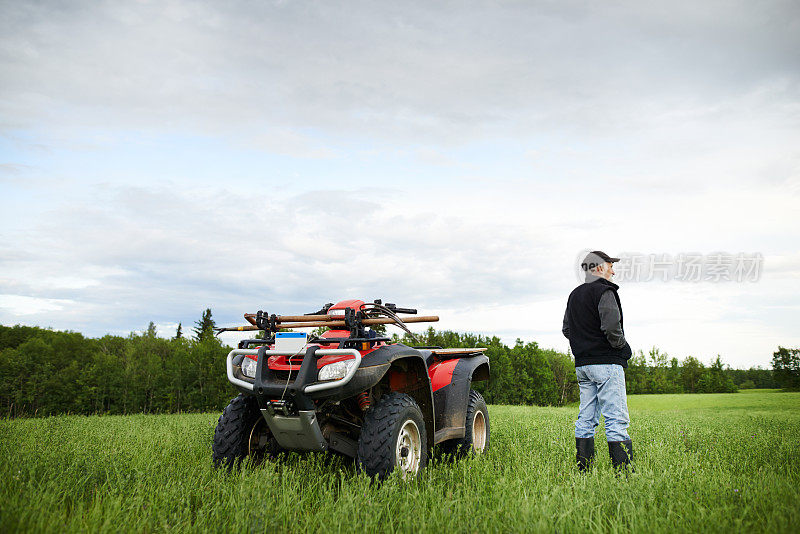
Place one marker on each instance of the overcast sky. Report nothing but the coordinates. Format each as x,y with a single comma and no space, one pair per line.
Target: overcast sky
158,158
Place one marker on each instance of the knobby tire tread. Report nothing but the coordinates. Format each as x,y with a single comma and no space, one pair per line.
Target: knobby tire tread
233,431
375,444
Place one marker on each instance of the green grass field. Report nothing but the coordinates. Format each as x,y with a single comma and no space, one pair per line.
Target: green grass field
720,463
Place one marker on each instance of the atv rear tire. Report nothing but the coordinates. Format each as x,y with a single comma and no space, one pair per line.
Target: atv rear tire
241,432
393,437
476,427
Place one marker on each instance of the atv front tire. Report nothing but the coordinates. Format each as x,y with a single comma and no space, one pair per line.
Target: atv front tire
476,427
241,432
393,437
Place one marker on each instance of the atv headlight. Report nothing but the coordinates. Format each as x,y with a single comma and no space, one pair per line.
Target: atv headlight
336,371
249,367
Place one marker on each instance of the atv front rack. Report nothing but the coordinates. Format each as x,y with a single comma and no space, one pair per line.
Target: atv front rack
353,319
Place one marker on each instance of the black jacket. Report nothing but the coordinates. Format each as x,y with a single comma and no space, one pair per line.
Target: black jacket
590,323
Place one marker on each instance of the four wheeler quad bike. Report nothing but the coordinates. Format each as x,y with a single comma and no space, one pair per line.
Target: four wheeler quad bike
350,391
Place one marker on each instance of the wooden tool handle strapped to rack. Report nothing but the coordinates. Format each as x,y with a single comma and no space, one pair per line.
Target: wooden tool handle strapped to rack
332,322
251,318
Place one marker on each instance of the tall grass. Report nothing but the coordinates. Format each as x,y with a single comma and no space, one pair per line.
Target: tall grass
710,463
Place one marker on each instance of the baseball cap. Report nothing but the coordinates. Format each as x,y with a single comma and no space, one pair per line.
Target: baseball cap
595,258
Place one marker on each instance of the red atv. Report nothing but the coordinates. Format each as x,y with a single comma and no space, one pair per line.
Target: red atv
350,391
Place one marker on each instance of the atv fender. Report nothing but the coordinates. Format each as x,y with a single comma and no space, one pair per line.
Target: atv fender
451,382
408,373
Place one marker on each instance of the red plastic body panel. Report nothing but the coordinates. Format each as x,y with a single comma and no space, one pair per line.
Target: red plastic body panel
350,303
335,333
441,373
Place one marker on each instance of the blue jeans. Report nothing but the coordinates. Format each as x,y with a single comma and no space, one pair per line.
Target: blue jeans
602,392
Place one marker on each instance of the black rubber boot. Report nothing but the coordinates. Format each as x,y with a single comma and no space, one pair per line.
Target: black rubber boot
621,455
585,447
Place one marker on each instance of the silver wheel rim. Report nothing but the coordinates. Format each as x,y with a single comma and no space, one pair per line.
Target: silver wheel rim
479,432
408,449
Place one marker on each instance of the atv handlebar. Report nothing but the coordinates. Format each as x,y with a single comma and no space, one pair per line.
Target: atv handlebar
395,309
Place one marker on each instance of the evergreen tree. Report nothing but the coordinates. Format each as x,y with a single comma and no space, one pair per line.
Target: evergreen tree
179,332
714,380
151,330
205,327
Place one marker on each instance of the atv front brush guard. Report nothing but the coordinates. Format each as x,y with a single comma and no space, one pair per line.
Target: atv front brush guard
307,374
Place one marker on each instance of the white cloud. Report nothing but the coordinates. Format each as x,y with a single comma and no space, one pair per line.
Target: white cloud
21,305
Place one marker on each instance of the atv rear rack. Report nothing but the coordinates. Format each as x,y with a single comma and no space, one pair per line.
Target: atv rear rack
457,352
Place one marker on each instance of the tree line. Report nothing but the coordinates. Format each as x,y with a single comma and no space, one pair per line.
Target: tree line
656,372
528,374
45,372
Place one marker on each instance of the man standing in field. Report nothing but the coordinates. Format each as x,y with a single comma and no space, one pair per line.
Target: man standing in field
593,325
